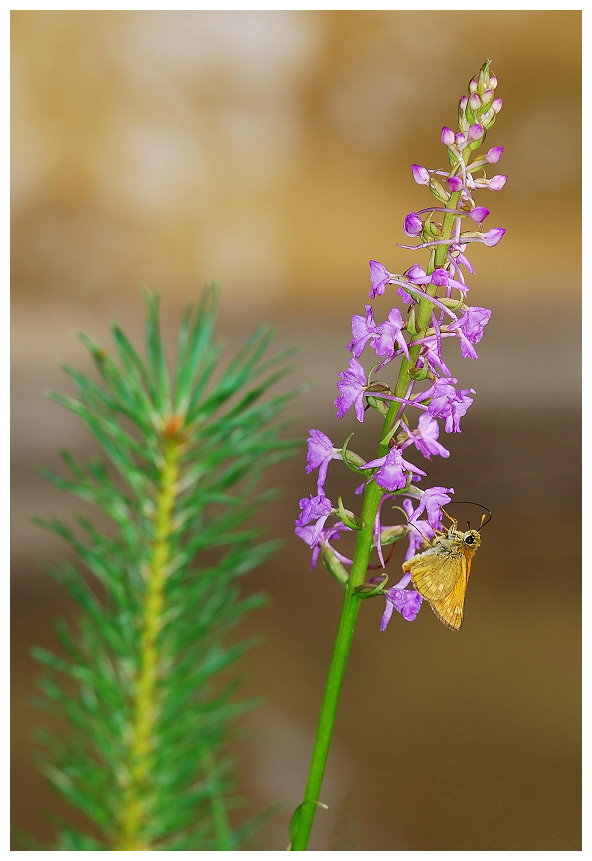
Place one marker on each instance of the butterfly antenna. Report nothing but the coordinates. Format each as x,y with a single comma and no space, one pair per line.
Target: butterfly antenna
485,518
409,523
453,519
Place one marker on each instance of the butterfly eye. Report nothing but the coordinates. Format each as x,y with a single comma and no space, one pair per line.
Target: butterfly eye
470,539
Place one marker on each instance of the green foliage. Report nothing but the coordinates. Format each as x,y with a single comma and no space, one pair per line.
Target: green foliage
149,661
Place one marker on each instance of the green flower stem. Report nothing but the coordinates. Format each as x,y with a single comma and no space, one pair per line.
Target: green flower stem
304,817
349,613
134,812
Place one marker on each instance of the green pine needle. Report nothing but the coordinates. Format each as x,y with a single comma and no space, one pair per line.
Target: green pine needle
149,658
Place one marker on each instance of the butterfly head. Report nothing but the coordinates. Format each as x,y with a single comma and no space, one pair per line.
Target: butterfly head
471,539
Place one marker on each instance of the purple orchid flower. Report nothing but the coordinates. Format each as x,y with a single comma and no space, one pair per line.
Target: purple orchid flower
493,236
317,508
420,533
447,403
318,540
433,355
379,277
389,332
478,214
470,330
407,602
432,500
425,437
420,174
494,154
319,454
413,225
363,329
352,387
391,475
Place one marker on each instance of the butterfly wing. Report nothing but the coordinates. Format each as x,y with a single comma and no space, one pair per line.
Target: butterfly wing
450,609
436,571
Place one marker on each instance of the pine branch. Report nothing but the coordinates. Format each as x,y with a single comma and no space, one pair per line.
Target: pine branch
182,454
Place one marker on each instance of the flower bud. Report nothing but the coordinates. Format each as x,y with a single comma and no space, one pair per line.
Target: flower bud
473,84
333,565
390,534
479,214
487,97
420,174
488,118
454,183
492,237
494,154
450,303
497,182
475,102
461,140
497,105
413,225
354,459
484,77
493,82
462,120
447,136
476,132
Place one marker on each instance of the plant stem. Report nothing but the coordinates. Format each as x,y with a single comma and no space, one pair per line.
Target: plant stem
424,311
349,613
134,808
305,813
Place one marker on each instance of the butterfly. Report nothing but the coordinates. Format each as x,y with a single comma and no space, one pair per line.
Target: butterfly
441,573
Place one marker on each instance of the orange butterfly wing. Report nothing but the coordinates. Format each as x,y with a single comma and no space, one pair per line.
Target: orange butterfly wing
440,574
450,609
436,571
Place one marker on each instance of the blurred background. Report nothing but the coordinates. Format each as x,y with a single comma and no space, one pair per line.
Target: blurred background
271,150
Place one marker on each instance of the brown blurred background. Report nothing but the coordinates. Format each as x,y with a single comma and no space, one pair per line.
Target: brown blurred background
271,150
